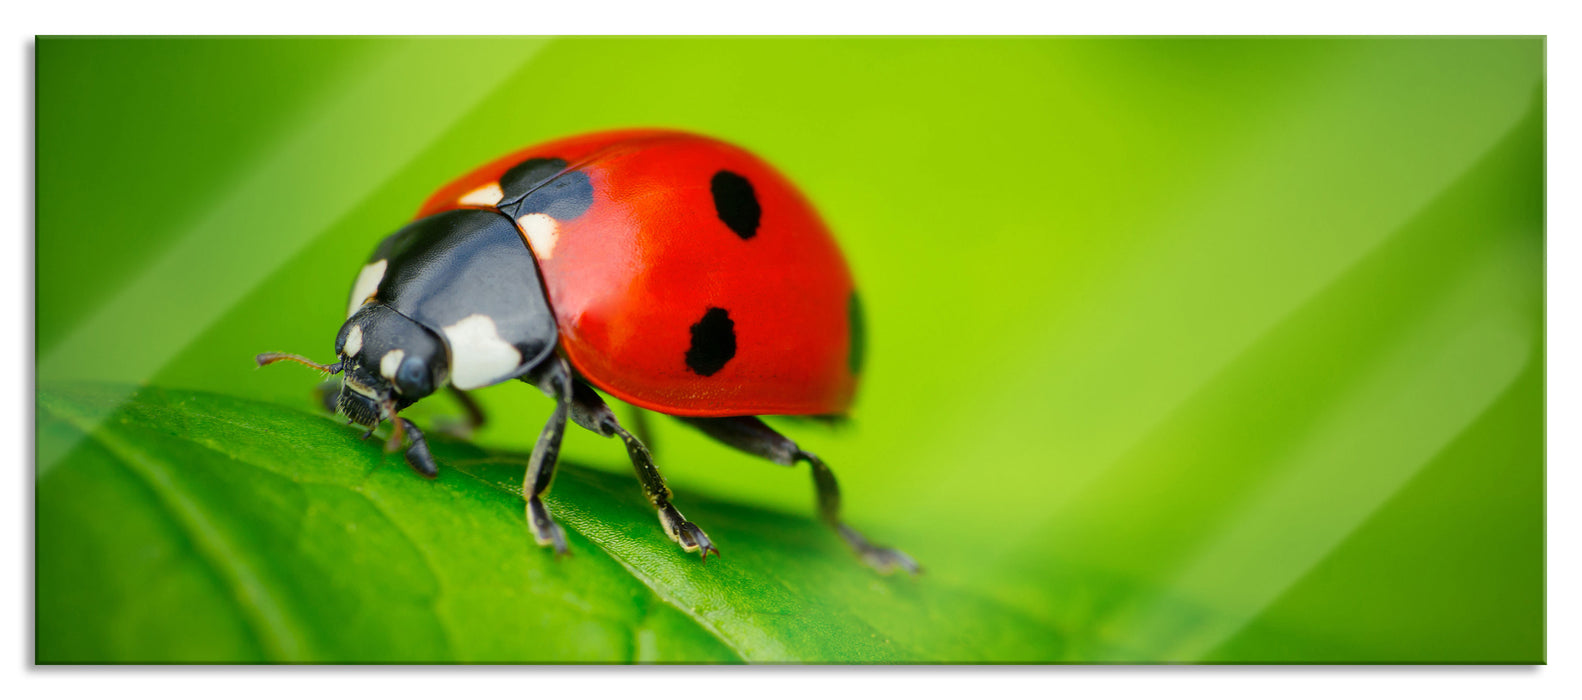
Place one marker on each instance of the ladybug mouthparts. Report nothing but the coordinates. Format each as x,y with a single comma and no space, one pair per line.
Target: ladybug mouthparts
361,408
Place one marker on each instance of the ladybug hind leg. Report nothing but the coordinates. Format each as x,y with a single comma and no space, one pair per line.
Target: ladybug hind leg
590,411
753,436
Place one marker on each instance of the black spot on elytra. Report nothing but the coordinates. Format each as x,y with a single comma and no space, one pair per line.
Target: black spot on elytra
529,174
858,332
544,186
735,203
713,342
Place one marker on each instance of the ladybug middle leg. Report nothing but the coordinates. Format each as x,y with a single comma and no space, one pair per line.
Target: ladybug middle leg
589,411
638,418
751,435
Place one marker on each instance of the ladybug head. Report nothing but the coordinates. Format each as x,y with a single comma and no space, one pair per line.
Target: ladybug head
389,362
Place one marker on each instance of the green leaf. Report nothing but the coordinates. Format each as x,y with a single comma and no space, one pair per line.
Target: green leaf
194,527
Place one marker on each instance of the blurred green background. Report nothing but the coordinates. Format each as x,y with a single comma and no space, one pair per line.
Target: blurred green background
1202,350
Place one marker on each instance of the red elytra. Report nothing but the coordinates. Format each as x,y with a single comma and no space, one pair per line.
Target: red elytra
631,276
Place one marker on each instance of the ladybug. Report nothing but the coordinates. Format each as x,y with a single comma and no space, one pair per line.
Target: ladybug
672,271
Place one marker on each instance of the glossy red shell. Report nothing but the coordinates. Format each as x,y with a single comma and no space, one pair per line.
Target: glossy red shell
630,277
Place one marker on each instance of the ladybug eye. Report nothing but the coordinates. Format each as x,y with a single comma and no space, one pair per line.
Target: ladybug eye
413,379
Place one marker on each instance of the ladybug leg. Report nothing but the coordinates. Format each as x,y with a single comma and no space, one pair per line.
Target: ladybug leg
590,411
753,436
328,393
553,378
418,455
475,417
640,427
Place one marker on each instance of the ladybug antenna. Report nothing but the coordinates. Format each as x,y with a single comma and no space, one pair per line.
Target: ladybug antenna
269,358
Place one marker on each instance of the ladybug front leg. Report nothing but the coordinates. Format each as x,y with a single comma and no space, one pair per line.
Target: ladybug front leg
590,411
554,378
751,435
418,455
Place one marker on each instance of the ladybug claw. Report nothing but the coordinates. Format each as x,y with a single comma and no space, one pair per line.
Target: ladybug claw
699,541
546,532
885,560
689,536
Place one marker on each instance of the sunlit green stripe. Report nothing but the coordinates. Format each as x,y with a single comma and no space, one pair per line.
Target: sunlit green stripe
1458,359
1160,326
328,164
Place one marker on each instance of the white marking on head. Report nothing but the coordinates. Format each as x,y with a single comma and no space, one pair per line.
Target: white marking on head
367,283
541,232
486,196
479,356
354,342
391,362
